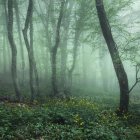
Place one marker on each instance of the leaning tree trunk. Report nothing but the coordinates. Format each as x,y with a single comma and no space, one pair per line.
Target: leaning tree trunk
13,49
54,50
20,41
118,65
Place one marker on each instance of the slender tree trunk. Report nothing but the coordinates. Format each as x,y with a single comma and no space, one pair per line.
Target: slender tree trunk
5,28
75,49
34,62
20,40
5,37
79,23
29,46
4,54
84,58
50,18
13,49
64,47
54,50
103,68
1,60
63,63
48,44
118,65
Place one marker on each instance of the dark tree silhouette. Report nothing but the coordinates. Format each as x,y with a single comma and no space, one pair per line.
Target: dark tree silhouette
118,65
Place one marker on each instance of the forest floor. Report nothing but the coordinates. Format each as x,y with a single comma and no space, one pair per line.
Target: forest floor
74,119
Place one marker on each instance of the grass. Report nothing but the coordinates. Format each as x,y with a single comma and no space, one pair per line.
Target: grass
74,119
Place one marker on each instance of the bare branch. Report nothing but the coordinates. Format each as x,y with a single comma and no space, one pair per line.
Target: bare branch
137,67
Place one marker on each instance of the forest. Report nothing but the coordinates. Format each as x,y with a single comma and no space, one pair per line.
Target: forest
69,70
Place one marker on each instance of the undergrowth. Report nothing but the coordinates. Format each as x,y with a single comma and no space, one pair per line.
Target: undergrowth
76,119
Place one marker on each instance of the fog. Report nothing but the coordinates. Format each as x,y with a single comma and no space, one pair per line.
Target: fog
81,49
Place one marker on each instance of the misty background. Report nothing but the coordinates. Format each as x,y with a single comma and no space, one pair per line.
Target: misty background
93,71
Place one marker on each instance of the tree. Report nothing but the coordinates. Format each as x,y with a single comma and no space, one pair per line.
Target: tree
64,43
29,46
13,49
5,36
79,24
54,49
117,63
20,39
4,50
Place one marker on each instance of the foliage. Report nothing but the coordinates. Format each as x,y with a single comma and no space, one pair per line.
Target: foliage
77,119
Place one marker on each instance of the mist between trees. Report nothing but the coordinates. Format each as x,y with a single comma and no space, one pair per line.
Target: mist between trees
62,48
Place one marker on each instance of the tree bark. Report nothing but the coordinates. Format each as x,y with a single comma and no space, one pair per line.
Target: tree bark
118,65
54,50
13,49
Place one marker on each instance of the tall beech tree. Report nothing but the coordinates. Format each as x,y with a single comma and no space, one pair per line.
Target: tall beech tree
117,63
13,49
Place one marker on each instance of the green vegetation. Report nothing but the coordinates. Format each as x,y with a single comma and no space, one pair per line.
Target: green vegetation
74,119
69,70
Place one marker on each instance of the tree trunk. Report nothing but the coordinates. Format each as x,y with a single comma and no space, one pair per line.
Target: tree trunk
64,47
54,50
5,28
5,38
34,62
118,65
75,49
29,46
103,68
78,29
20,40
13,49
4,54
63,63
84,67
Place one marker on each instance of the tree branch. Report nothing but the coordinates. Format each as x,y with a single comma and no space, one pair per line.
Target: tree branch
137,67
